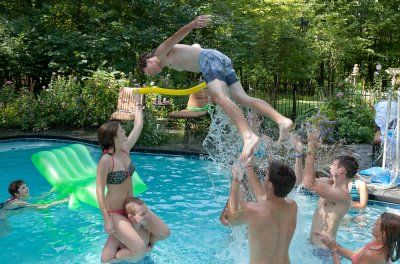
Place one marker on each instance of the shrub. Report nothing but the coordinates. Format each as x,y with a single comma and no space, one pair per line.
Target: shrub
342,117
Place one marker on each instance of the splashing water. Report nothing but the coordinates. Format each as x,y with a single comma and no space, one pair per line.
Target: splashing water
224,145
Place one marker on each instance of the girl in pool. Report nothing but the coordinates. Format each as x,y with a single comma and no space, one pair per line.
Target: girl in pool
19,192
384,247
115,171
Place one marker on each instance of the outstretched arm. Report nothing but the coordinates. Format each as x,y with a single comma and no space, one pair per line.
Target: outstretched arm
236,215
138,123
298,165
200,22
255,184
309,171
321,187
41,206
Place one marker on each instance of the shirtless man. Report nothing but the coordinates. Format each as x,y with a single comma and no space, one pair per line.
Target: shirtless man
149,227
220,77
271,220
334,201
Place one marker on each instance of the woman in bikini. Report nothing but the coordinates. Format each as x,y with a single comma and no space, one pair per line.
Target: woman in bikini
384,247
115,171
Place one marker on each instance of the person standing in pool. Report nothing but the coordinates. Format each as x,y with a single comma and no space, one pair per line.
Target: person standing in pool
221,79
271,220
334,201
115,171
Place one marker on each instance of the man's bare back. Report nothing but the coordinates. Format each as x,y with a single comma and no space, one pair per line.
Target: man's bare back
271,226
327,219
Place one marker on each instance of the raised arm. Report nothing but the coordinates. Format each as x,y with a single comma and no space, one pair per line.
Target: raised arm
309,170
235,215
137,124
322,187
298,165
255,184
200,22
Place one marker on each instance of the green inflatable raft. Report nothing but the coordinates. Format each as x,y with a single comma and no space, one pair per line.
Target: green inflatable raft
71,170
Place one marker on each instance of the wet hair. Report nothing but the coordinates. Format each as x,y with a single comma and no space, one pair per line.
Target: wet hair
107,133
282,178
390,226
143,59
129,208
349,163
14,186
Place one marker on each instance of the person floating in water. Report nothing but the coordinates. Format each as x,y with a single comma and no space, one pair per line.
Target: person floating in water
148,226
221,79
19,192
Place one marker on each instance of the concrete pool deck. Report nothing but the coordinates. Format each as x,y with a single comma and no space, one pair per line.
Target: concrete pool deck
182,144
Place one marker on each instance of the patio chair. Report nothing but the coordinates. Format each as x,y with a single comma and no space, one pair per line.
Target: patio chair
126,105
197,107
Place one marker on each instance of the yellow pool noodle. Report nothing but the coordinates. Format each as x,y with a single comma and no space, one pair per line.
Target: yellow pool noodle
158,90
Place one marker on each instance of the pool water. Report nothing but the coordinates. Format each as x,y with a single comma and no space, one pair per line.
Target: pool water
187,193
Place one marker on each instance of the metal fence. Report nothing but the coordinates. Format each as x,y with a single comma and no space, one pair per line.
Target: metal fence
293,99
290,99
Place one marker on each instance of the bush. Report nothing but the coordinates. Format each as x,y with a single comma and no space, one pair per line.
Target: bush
342,117
69,102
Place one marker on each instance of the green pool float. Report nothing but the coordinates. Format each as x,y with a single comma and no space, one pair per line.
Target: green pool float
71,170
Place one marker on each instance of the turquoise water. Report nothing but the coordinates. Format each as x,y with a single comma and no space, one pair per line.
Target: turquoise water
188,194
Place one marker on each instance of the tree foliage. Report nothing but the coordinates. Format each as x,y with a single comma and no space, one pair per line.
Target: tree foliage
267,40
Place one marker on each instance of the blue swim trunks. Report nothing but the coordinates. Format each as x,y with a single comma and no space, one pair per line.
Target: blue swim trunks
215,65
323,254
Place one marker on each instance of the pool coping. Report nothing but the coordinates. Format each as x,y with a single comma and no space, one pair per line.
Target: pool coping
140,149
384,195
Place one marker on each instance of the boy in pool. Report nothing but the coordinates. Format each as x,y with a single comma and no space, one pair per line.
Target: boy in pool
334,201
221,80
271,220
148,226
19,192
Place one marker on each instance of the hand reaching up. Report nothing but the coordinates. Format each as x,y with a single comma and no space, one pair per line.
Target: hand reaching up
201,21
314,141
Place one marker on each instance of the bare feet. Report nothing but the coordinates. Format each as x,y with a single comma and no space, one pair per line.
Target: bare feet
284,128
249,145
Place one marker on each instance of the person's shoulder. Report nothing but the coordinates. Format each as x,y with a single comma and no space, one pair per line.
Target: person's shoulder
360,183
105,158
15,204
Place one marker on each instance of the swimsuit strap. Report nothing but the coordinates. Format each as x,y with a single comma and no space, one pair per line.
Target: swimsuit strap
112,158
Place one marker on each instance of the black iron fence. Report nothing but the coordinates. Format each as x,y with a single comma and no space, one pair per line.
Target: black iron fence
290,99
293,99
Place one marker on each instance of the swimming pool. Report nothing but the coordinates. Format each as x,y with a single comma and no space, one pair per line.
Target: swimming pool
188,194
